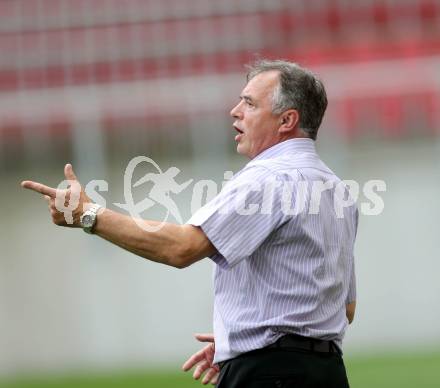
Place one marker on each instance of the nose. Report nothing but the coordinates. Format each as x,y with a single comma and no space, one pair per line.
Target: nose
236,112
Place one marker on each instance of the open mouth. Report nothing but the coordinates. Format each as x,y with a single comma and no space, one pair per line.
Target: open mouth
239,135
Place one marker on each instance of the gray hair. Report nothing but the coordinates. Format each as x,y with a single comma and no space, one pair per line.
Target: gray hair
298,89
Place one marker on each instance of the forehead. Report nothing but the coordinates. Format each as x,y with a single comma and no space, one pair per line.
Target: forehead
262,84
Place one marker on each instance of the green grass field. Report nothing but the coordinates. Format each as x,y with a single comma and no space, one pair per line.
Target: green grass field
416,371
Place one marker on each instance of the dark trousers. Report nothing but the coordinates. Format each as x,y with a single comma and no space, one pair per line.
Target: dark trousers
284,368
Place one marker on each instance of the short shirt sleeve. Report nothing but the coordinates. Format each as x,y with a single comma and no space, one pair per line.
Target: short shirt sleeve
242,216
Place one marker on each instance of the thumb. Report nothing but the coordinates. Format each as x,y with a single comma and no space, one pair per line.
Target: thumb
68,172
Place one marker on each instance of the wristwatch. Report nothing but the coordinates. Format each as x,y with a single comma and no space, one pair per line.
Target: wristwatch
88,218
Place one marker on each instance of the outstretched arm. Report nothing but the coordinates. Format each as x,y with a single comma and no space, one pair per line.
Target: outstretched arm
171,244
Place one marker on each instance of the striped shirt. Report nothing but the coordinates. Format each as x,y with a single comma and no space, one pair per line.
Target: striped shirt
284,254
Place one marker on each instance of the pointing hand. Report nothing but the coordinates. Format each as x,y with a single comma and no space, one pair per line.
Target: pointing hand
66,205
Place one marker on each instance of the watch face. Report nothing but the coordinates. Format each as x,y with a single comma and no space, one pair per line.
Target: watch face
87,221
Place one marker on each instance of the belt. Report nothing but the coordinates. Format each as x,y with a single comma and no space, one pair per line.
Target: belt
295,341
305,343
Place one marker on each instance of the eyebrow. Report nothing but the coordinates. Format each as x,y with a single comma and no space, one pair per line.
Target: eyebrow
247,98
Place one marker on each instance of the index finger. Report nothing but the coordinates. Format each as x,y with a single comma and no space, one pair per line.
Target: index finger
39,188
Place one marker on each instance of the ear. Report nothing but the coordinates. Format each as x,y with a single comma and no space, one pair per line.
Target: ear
289,120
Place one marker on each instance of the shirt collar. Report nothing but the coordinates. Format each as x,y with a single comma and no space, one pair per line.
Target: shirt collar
298,145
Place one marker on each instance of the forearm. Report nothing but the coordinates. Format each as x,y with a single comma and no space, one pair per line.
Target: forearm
172,244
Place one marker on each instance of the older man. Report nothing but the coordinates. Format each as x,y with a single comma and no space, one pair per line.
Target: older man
284,278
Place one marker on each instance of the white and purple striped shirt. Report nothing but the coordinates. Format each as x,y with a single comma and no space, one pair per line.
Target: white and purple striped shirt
279,271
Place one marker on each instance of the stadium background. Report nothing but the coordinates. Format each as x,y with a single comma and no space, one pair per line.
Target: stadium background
97,82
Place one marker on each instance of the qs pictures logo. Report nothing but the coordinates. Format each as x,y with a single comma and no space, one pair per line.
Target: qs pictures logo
164,185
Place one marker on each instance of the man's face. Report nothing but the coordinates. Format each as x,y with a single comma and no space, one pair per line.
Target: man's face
255,123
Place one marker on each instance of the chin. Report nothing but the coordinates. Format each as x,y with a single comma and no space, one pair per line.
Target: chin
243,152
240,149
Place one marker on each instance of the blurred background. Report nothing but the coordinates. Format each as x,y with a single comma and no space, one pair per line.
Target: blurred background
98,82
